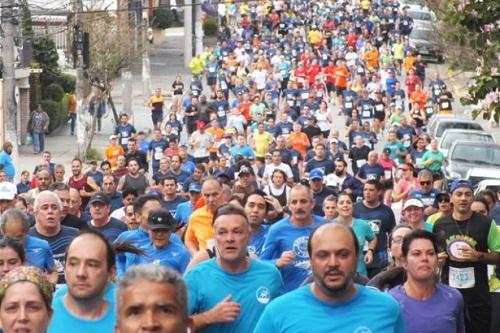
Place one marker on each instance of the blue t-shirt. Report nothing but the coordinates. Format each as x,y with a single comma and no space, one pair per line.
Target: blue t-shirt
174,256
171,206
253,289
64,321
369,172
427,199
8,166
38,253
183,212
284,236
257,241
138,238
301,311
110,230
442,312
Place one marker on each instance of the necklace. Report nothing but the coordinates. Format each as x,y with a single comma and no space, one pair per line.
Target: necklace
459,227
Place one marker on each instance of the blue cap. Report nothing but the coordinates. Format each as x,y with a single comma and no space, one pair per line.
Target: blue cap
456,184
316,174
194,187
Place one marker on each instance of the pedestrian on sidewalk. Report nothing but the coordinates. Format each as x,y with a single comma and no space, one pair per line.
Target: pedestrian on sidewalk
38,125
72,104
6,161
97,104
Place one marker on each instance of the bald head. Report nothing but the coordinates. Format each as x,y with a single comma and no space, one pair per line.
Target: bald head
321,234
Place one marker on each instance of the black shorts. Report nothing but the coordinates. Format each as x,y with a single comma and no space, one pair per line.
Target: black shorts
379,115
437,175
198,160
212,156
157,117
339,91
330,87
211,81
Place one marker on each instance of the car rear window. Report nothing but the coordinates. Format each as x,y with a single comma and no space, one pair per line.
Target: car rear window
459,125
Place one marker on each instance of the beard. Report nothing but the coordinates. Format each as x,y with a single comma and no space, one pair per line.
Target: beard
338,291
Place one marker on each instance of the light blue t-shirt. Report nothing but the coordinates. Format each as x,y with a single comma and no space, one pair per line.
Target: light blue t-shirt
253,289
301,311
183,213
364,234
64,321
284,236
257,241
38,253
138,238
173,256
109,294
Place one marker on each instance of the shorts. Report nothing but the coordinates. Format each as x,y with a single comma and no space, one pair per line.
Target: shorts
339,90
157,117
437,175
211,81
330,87
213,156
379,115
199,160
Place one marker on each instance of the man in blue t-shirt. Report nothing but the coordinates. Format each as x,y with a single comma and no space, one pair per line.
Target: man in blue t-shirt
89,268
101,222
240,287
170,198
286,242
426,193
327,305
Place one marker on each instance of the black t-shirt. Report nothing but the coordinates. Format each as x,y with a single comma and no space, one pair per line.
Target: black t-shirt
178,88
319,198
473,232
359,157
73,221
311,132
58,244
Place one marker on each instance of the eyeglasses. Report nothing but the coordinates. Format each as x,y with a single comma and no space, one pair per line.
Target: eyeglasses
427,182
444,200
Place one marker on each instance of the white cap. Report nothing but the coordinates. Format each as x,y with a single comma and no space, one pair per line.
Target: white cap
413,203
8,191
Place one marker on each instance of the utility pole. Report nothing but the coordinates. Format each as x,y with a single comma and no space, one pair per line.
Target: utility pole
198,27
80,83
188,32
9,27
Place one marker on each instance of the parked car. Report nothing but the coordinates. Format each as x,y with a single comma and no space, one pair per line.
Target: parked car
434,120
424,40
473,160
488,184
420,13
453,134
458,123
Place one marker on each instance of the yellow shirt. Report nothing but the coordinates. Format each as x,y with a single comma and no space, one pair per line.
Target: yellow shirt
262,143
197,65
314,36
200,228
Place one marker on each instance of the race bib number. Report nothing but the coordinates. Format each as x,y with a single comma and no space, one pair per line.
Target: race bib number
387,174
211,69
367,114
158,154
379,107
348,105
124,141
304,95
221,113
461,278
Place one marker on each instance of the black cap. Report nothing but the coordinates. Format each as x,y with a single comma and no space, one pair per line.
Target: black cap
160,219
99,197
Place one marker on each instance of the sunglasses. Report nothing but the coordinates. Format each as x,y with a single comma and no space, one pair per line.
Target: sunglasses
428,182
444,200
404,169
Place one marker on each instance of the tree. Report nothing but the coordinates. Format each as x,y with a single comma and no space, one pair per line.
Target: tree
27,22
45,55
110,52
471,30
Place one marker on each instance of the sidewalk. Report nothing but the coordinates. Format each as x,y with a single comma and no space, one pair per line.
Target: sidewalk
166,62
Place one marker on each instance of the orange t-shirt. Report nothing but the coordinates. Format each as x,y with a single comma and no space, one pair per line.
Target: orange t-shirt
217,136
112,154
299,141
371,58
341,75
244,108
200,229
420,97
408,63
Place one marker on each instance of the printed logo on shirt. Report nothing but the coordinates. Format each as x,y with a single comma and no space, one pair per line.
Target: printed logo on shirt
252,250
263,295
300,246
362,329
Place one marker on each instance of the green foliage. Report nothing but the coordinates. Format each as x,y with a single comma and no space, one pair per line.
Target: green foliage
35,90
210,26
65,103
56,113
27,23
67,82
93,154
162,18
54,92
45,54
472,30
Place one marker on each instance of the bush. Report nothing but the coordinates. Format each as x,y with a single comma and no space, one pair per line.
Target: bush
64,103
162,18
210,26
93,154
56,113
54,92
67,82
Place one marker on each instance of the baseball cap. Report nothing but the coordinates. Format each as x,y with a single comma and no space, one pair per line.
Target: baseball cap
160,219
99,197
386,151
413,203
194,187
113,137
8,191
456,184
316,174
334,141
245,170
